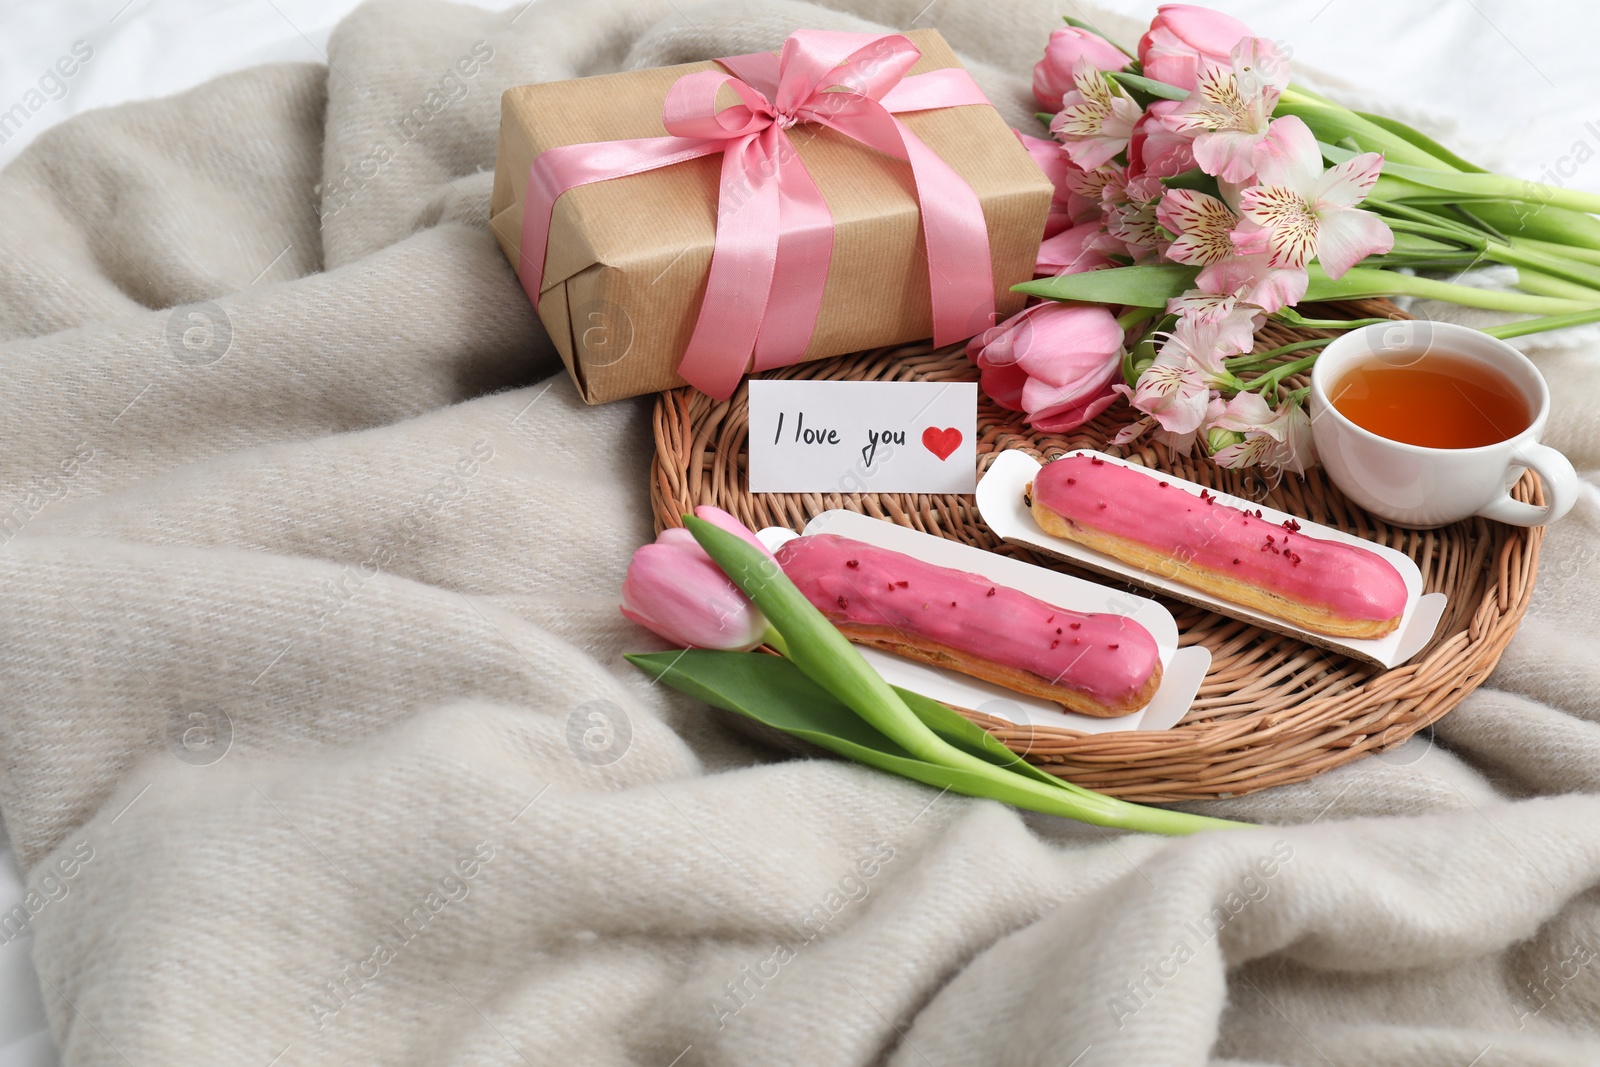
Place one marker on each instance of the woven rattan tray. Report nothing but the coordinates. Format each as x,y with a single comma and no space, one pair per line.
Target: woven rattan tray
1272,709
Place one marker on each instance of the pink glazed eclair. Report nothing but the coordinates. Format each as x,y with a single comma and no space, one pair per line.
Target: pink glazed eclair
1324,586
1102,665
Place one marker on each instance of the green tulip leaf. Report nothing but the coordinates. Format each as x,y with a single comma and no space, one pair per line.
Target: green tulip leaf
962,732
1147,285
1421,140
774,691
1148,86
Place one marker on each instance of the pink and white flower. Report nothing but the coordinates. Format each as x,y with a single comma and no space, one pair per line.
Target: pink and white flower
1203,224
1130,211
1206,230
1157,147
1206,343
1091,185
1298,212
1172,391
1096,118
1180,444
1230,109
1254,280
1280,438
1201,306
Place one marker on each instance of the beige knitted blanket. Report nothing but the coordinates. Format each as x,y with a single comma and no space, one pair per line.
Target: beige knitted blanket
317,745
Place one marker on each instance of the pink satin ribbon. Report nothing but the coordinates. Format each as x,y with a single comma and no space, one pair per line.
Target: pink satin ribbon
774,231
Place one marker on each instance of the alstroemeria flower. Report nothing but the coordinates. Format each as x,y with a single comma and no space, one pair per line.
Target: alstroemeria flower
1091,185
1206,229
1096,118
1173,391
1254,280
1157,146
1130,211
1201,306
1298,212
1280,438
1205,343
1179,444
1231,108
1204,226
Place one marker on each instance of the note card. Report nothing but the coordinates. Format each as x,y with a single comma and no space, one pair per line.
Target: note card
863,437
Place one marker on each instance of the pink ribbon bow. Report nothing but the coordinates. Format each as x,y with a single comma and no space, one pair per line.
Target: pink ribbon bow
774,231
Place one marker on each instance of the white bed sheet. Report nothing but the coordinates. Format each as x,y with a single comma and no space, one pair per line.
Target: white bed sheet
1517,78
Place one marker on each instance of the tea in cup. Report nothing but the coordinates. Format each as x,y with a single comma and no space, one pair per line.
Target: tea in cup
1425,423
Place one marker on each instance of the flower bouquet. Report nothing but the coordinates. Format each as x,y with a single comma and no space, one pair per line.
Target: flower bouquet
1199,193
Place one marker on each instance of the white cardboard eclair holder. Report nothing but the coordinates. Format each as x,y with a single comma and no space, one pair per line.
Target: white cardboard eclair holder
1182,669
1001,505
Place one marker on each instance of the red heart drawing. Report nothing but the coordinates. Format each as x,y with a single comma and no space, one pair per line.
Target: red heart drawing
941,442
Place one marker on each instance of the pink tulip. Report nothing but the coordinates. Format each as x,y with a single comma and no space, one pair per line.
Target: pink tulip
1084,247
1181,36
1055,362
1052,159
674,589
1052,75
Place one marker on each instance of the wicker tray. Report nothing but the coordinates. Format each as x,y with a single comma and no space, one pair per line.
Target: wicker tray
1272,709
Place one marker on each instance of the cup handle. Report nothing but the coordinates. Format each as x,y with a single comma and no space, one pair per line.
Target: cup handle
1560,488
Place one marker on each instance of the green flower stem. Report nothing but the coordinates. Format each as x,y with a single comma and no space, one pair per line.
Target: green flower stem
1136,317
1290,317
1558,266
1539,325
1399,218
1489,187
1577,252
1332,123
1280,372
1361,282
824,655
774,640
1264,357
1532,218
1531,281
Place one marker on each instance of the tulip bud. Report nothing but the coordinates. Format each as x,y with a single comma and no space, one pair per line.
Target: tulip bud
1052,75
1183,36
674,589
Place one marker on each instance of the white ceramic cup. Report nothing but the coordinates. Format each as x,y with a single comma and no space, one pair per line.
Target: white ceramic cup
1419,487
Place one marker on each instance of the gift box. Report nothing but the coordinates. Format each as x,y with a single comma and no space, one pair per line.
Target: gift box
783,166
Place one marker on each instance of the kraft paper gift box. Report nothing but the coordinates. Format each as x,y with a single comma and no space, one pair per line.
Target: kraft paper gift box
627,259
